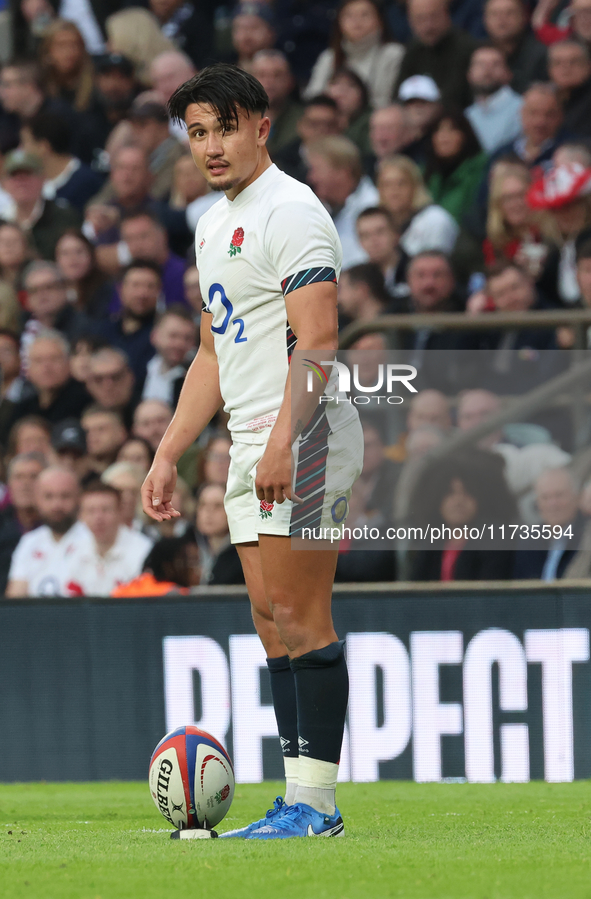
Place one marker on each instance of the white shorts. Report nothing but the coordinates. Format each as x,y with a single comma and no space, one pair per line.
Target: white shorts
328,464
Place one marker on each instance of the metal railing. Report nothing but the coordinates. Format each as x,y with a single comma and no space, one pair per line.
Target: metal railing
577,319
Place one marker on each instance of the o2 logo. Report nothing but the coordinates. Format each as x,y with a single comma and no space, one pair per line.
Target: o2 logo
218,289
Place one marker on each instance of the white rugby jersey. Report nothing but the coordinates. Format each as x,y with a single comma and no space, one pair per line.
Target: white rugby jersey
251,252
89,574
42,561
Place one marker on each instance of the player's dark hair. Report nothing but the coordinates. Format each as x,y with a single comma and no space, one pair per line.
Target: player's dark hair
225,88
52,127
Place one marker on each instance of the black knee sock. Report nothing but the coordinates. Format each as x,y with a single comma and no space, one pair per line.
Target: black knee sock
284,702
322,691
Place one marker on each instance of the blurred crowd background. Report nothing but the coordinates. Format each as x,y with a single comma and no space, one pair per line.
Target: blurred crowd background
450,142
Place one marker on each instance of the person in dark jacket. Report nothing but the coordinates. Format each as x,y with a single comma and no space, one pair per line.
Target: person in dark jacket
466,491
569,67
20,515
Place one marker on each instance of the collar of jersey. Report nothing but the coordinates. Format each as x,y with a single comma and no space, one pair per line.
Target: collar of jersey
253,189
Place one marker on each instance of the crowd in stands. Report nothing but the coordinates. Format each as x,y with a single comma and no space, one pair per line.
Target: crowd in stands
450,140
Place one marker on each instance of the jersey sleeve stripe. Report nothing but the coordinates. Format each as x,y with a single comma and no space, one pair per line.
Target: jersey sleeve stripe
310,276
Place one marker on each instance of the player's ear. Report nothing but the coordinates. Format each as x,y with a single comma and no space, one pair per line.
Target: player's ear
264,128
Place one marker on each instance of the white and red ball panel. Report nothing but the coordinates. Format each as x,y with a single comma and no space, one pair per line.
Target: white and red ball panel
191,778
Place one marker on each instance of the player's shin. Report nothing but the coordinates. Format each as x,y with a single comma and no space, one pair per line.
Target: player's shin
284,703
322,693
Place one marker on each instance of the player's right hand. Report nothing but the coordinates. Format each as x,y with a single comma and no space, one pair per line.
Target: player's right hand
157,491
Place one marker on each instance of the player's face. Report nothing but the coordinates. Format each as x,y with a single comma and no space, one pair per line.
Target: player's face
228,159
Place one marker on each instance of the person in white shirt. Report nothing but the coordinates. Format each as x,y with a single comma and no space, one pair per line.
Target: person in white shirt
495,113
174,337
39,560
113,554
150,421
336,175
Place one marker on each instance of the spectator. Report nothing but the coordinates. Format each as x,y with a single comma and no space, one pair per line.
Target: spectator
87,288
115,88
15,254
360,42
380,239
215,461
168,71
431,284
337,178
423,225
252,31
455,163
271,68
69,447
513,229
135,33
111,382
11,382
105,435
20,515
377,481
583,261
128,190
22,93
569,67
541,122
127,479
30,434
150,421
320,119
351,96
421,99
494,114
113,555
220,562
506,23
389,131
576,24
48,136
44,221
356,560
67,66
189,26
137,452
362,295
557,498
523,464
57,395
82,350
193,292
189,186
427,409
468,490
146,239
174,337
46,302
38,566
563,192
438,49
150,128
172,566
129,330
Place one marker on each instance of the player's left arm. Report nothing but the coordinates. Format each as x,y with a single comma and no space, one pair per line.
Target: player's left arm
312,315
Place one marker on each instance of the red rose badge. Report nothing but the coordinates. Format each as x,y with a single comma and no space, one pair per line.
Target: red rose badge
266,510
236,242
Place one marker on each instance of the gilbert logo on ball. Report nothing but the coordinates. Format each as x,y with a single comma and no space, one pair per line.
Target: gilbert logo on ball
236,242
191,778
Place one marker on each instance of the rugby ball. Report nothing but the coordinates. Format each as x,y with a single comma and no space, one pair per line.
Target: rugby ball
191,778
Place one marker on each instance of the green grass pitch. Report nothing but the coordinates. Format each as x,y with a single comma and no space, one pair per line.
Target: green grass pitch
422,841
